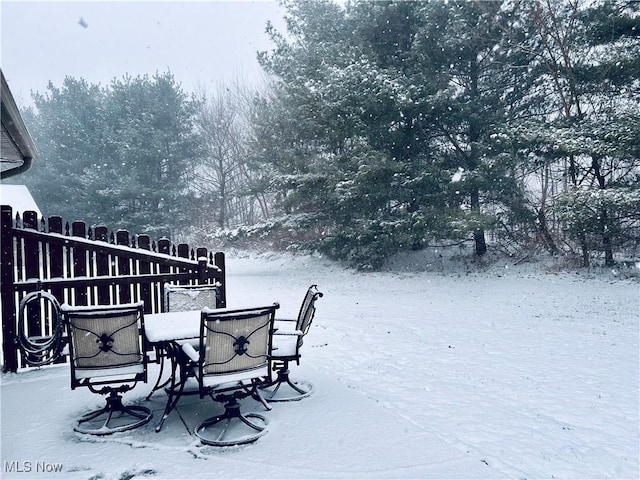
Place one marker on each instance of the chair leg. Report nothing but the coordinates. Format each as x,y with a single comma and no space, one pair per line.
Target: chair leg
113,417
231,427
256,393
282,389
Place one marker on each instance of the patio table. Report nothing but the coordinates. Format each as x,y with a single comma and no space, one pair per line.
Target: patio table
165,332
171,326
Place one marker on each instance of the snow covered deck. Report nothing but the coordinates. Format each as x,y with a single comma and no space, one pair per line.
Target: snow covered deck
335,433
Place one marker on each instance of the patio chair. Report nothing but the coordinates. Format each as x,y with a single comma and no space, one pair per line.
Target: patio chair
179,298
232,361
287,340
106,356
190,297
183,298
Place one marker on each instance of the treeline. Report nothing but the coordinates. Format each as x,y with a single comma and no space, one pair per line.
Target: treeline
141,154
385,126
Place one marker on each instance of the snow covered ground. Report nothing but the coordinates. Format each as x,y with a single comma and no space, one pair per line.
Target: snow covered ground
503,372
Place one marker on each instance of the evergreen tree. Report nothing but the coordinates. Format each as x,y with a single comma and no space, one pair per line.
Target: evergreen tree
116,156
467,48
70,130
155,147
335,132
377,107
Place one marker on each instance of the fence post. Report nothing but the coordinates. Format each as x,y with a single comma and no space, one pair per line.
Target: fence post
124,268
10,360
79,229
101,234
164,245
56,264
56,260
219,262
201,257
32,270
183,252
144,267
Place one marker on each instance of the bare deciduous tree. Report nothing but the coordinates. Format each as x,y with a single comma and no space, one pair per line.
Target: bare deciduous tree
221,178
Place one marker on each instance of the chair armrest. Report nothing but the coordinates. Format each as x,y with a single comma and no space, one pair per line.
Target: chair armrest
294,333
284,324
190,352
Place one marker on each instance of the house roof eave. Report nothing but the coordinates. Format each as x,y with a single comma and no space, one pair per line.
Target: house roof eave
18,149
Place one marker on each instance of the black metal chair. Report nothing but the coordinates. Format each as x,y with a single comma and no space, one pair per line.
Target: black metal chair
287,340
232,361
191,297
106,355
179,298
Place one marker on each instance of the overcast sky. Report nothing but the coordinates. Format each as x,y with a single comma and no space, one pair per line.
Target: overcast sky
201,42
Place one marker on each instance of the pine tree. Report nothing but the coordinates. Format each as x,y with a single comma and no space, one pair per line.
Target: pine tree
115,156
69,128
378,106
154,144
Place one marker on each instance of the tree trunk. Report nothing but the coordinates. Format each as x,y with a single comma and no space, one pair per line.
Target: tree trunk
478,234
542,213
606,238
545,233
481,244
604,216
586,257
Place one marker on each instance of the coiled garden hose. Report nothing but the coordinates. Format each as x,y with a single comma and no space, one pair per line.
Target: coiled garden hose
38,351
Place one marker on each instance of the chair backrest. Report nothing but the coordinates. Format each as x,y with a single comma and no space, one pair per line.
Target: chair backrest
105,341
190,297
236,342
307,310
